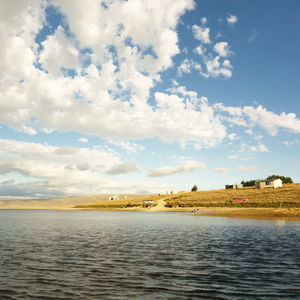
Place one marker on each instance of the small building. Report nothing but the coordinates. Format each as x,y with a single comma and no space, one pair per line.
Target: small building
268,184
233,186
114,197
148,203
171,192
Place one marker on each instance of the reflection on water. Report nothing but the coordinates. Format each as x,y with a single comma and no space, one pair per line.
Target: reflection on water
130,255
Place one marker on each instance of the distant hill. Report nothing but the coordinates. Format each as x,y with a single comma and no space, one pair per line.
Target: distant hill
56,203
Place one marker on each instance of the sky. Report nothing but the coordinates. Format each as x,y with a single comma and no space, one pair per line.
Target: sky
145,96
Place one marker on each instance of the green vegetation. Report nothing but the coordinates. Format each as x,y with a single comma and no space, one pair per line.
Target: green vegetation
285,180
194,188
248,183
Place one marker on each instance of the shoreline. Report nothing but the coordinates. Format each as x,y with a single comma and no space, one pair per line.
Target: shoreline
245,213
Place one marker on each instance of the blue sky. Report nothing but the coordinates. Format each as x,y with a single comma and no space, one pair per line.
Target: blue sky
144,97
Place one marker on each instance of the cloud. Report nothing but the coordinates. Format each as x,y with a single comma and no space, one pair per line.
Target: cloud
215,68
93,73
29,130
223,49
185,167
59,52
253,35
204,127
232,136
247,168
250,116
270,121
200,50
201,34
83,167
123,168
187,66
50,171
83,140
259,137
27,190
221,170
130,147
259,148
203,21
231,19
263,148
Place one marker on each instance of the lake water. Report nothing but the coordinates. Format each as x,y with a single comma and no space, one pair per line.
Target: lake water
136,255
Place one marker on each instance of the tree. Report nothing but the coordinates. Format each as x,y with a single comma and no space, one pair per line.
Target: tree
194,188
271,177
283,179
248,183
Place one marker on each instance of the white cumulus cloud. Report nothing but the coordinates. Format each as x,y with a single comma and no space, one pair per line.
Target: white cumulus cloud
231,19
201,34
94,73
247,168
83,140
185,167
187,66
223,49
221,170
123,168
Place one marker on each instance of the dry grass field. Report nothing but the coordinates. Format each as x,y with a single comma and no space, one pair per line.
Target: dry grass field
56,203
122,203
287,196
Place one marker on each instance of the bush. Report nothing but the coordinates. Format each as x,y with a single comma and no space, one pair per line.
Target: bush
284,180
194,188
248,183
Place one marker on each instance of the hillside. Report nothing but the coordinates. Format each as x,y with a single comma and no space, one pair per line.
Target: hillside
287,196
122,203
56,203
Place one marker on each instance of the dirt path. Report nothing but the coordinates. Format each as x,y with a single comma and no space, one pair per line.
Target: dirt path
160,205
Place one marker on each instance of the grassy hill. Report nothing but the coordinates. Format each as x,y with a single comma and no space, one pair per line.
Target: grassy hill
287,196
122,203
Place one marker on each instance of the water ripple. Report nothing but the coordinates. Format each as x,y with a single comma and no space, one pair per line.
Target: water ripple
105,255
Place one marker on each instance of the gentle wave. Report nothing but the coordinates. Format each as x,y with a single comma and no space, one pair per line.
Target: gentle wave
111,255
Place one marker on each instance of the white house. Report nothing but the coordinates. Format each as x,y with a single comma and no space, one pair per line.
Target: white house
277,183
114,197
269,184
171,192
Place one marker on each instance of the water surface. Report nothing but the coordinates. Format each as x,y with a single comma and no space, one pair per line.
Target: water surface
137,255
